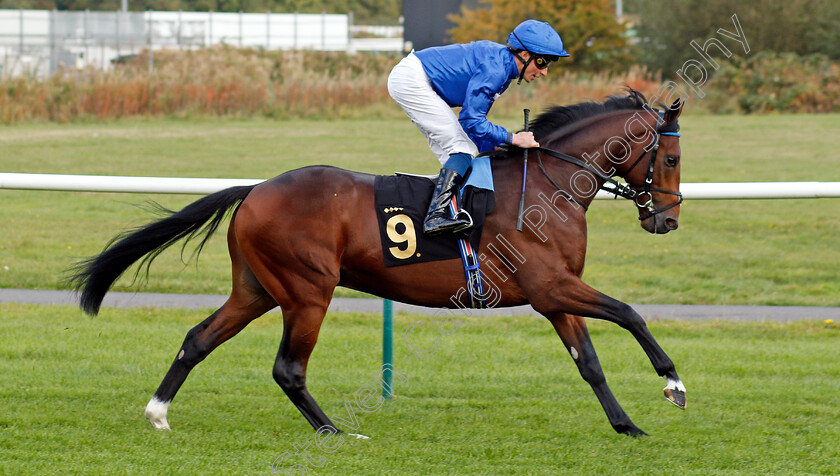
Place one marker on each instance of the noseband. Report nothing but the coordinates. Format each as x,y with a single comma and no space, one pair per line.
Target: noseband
619,189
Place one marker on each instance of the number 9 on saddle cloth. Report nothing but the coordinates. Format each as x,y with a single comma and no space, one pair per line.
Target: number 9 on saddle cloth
401,202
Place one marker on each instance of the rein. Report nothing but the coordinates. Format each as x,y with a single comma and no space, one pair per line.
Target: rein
617,188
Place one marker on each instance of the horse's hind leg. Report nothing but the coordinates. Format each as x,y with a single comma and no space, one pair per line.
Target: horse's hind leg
248,301
223,324
572,330
300,333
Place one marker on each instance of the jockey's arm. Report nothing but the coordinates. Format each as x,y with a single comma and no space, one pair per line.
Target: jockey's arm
480,95
479,99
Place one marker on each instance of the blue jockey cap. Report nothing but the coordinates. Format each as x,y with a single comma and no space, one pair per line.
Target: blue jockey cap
537,37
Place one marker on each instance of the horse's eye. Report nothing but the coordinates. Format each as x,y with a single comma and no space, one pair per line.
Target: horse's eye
672,161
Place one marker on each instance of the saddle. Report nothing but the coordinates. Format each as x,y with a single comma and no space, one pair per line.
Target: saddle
401,202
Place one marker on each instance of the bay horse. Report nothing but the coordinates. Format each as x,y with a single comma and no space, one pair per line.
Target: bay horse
294,238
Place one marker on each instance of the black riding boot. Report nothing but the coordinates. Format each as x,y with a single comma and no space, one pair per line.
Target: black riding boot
438,218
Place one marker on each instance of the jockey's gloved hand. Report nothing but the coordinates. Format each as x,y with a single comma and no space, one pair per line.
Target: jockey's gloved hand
524,140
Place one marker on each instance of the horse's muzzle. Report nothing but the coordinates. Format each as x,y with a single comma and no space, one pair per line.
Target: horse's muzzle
659,224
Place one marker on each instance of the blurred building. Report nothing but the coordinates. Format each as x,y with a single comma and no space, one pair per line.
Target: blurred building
425,21
39,42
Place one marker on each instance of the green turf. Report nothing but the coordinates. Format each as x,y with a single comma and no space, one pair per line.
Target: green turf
501,396
780,252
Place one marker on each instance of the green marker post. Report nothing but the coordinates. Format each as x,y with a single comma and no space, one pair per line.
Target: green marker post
387,348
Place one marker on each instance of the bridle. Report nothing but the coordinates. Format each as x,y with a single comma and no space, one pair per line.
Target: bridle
666,130
619,189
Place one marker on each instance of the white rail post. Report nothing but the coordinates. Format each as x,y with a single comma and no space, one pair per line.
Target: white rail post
53,61
150,26
85,21
117,31
20,11
350,49
295,32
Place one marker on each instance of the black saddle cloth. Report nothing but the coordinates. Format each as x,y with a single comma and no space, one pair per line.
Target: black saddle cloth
401,204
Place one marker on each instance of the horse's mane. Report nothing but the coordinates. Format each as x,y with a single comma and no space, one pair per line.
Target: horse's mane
561,120
559,117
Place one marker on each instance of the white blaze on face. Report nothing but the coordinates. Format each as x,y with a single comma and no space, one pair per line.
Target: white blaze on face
574,352
156,413
181,354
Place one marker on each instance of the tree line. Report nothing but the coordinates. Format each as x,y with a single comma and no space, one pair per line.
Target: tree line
653,33
803,27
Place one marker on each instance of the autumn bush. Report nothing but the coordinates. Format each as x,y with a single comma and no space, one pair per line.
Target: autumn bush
775,82
219,81
230,82
593,37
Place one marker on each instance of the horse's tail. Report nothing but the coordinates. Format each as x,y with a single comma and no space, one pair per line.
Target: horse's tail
93,277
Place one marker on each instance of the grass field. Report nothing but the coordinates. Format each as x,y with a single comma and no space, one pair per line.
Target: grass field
501,396
725,252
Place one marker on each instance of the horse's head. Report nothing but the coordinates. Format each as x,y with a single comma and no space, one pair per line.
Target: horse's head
643,148
655,176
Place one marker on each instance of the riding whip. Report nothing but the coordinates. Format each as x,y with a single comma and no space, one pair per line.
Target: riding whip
524,176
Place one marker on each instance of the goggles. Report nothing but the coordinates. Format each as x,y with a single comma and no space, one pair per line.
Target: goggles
542,61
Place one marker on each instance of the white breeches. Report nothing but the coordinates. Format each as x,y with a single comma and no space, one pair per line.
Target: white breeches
412,90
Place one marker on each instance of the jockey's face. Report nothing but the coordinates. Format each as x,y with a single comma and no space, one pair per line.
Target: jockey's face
532,71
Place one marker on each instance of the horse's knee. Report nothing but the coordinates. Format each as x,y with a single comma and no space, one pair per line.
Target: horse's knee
588,364
289,376
591,372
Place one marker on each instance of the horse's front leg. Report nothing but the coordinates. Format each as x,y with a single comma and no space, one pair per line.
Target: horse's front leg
573,296
572,330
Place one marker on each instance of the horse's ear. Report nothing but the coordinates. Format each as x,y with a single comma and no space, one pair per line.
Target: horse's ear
674,111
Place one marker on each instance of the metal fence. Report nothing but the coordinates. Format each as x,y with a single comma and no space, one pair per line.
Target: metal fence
38,42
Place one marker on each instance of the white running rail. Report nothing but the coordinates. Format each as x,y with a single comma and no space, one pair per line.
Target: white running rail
203,186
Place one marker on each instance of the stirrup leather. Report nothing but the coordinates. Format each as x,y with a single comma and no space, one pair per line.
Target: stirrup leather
458,213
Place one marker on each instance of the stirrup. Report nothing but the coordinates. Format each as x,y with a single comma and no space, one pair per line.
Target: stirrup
443,225
466,226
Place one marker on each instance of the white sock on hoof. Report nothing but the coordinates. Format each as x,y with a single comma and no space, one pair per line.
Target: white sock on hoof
156,413
675,385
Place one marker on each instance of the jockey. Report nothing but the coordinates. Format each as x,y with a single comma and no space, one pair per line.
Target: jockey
428,83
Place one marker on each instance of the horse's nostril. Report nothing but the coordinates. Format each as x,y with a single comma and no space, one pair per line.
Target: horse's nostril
672,223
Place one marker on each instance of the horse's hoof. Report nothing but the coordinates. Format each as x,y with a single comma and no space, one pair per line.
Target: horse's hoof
630,430
159,423
156,414
637,434
675,396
